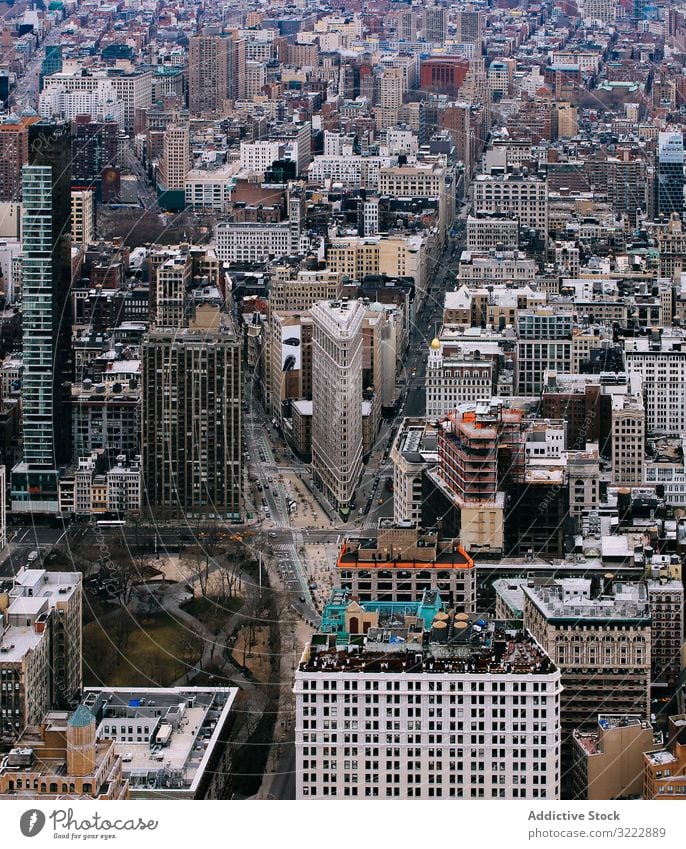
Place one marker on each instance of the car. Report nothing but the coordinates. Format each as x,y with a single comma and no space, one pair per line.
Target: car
267,514
264,502
293,341
289,363
270,479
275,493
272,535
380,501
301,599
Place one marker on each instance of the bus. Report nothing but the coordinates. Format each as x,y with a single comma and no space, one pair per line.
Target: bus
111,523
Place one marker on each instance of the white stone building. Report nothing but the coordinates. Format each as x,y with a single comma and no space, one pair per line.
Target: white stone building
660,360
524,198
453,379
400,713
337,396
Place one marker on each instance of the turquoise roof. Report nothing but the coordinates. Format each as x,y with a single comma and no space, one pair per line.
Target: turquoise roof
333,616
81,718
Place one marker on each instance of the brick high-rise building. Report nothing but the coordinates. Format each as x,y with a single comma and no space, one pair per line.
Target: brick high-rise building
208,74
14,154
191,418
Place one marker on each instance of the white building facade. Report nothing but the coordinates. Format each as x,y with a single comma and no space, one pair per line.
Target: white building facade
412,732
337,396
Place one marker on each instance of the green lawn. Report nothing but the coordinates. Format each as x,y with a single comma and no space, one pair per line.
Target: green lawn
120,651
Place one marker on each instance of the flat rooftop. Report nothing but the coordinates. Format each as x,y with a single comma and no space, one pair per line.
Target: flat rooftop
661,758
418,443
510,590
185,723
354,554
556,603
463,643
16,641
592,741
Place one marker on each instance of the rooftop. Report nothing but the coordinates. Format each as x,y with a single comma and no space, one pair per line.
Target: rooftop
426,552
417,442
456,644
16,641
510,590
592,741
572,599
661,758
388,614
181,727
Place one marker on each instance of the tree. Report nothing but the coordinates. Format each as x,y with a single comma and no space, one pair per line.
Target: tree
99,659
195,565
228,578
85,557
127,570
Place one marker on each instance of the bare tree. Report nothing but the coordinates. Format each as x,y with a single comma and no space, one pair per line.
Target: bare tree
195,565
228,575
126,570
85,557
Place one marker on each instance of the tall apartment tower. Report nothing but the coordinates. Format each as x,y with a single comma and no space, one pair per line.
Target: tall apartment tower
14,154
406,23
46,279
470,24
391,89
191,406
628,438
435,24
670,174
175,164
176,158
208,73
337,395
216,66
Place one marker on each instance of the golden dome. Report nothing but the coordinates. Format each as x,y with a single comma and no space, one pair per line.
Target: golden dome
435,344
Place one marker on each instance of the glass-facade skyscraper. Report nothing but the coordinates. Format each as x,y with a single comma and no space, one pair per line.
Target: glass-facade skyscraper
670,174
46,325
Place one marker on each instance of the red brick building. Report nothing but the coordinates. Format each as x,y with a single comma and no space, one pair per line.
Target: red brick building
444,74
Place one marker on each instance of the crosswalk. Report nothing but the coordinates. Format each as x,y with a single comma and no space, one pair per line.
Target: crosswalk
369,523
